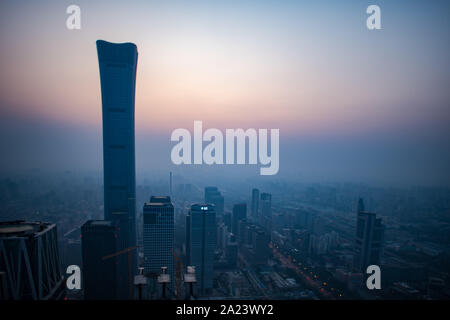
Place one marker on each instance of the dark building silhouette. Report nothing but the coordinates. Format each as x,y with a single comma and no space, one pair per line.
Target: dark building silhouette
227,220
266,211
222,232
231,251
361,207
201,234
29,261
188,239
159,236
241,236
239,213
99,239
261,240
118,63
254,244
249,233
369,239
266,204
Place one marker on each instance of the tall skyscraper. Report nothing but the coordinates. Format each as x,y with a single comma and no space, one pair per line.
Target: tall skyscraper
159,236
213,196
29,261
255,204
369,239
98,240
202,243
118,63
266,204
239,213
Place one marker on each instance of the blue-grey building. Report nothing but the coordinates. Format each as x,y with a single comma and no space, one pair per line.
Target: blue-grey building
266,211
255,204
118,64
369,241
201,223
159,236
239,213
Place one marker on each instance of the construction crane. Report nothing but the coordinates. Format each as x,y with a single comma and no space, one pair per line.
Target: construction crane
130,265
178,272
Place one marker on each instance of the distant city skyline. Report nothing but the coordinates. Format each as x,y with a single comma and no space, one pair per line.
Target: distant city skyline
319,240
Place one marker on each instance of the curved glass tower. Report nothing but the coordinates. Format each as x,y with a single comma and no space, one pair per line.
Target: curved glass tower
118,63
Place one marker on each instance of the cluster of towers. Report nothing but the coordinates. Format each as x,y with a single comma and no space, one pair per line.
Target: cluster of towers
109,246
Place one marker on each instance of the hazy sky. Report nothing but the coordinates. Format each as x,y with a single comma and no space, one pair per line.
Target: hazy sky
351,104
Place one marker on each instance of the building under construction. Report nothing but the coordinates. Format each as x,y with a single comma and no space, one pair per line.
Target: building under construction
29,262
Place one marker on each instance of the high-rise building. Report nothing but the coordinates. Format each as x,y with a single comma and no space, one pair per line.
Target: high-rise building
239,213
118,63
242,234
231,251
221,235
188,239
361,207
266,204
99,240
250,230
369,239
255,204
29,261
213,196
261,250
254,244
159,236
266,210
226,218
202,243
